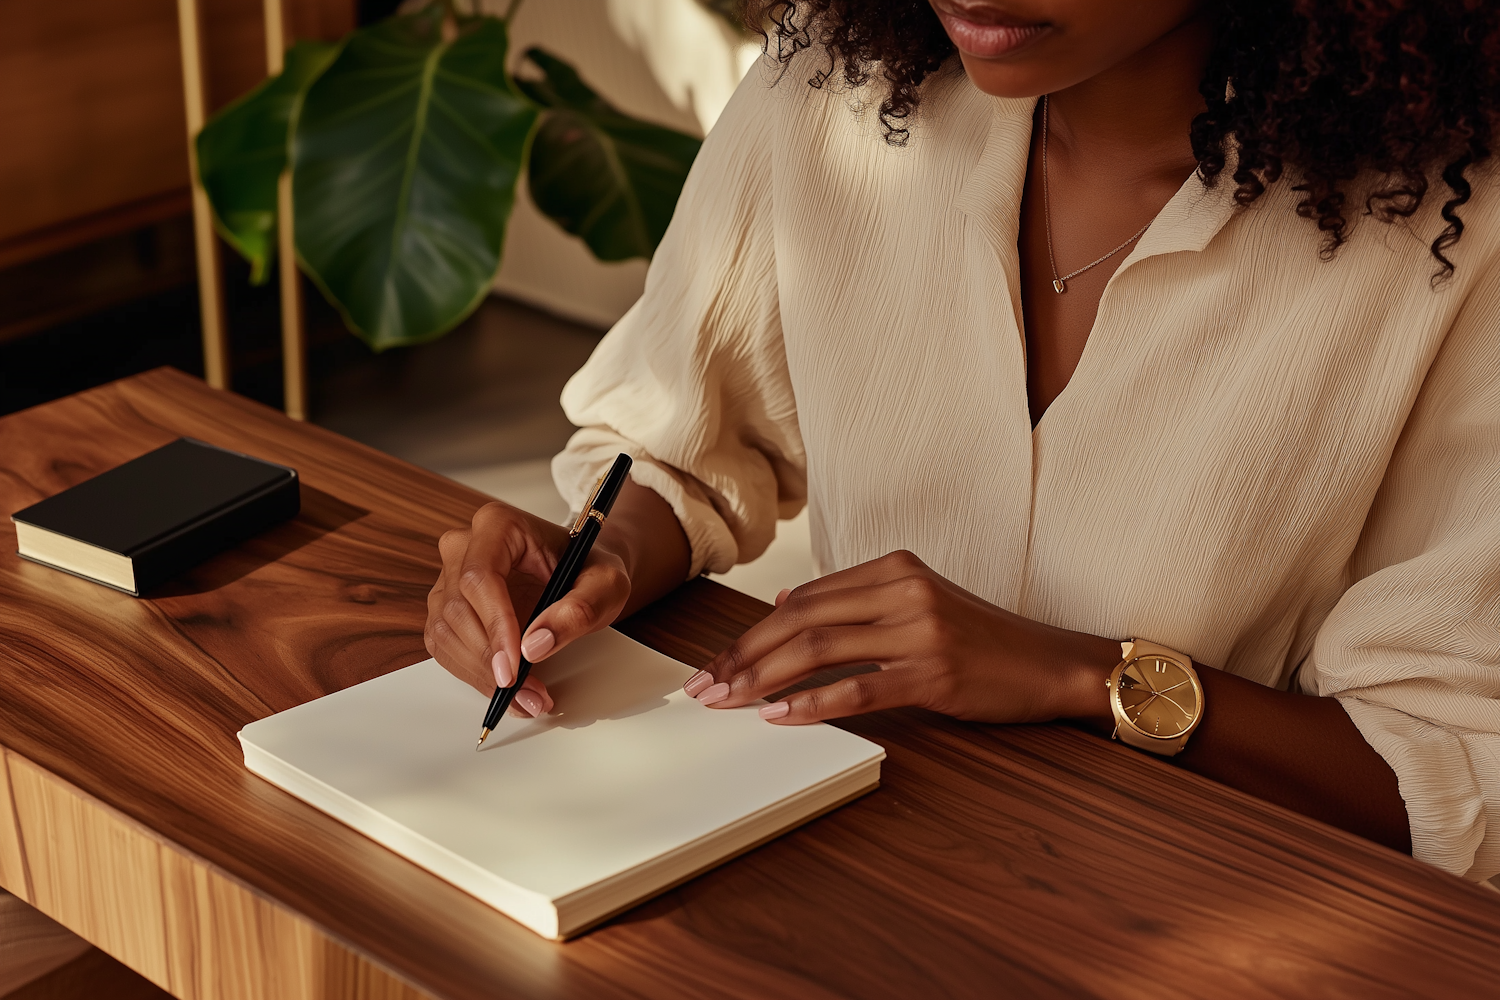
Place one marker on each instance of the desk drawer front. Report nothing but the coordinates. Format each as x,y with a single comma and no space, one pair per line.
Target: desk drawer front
176,920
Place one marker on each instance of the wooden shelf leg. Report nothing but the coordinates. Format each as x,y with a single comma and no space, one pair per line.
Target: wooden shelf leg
293,334
210,271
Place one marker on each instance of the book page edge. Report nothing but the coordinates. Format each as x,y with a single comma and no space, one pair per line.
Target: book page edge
526,907
585,908
71,555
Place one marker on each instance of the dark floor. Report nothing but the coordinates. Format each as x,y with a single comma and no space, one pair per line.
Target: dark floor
484,394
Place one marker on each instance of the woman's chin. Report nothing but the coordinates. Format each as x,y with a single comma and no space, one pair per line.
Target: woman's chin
1024,78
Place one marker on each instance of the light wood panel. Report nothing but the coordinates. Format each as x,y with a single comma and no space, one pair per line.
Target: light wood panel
175,920
31,945
992,859
13,875
117,913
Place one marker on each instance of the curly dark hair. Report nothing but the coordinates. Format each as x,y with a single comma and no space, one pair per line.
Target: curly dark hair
1407,89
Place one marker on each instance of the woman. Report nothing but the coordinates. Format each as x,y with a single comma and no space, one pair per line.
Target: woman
1200,349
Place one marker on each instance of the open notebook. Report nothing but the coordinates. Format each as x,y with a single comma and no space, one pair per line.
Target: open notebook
627,789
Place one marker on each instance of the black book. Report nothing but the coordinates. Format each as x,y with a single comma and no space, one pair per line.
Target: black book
144,522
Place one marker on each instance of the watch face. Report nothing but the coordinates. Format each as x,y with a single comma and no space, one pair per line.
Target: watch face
1158,696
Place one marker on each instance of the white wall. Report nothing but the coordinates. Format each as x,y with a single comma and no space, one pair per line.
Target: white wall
667,61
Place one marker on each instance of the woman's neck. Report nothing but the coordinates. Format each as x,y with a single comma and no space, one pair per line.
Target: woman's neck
1138,111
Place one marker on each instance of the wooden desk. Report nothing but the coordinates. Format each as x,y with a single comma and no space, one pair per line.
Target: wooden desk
993,861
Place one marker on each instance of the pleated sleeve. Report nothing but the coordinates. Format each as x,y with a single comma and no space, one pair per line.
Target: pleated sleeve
692,382
1412,649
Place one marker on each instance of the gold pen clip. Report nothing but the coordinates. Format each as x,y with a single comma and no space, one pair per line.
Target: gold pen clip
588,508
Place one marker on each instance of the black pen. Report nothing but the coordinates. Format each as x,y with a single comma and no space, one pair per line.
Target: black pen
580,540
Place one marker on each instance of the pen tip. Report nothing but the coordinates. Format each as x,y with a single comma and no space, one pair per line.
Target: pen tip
482,737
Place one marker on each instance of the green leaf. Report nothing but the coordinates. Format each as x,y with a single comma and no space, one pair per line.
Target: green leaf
405,162
600,174
242,151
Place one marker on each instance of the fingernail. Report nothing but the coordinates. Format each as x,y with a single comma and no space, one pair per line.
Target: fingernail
538,644
530,701
696,683
775,710
785,593
714,694
505,674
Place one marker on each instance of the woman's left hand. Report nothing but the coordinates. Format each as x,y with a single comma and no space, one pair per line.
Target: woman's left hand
937,646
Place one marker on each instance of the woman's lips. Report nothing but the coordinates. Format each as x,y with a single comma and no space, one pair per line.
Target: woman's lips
988,40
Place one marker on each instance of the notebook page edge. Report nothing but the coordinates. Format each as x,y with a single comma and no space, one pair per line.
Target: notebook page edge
527,907
592,904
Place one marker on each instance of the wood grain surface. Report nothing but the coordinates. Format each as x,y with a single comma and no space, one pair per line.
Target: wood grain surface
994,861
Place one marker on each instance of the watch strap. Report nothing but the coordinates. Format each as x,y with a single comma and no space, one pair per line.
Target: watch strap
1131,648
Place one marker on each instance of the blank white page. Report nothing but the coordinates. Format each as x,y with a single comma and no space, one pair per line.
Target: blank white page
627,768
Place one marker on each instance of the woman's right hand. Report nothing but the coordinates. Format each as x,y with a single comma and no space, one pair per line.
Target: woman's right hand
493,573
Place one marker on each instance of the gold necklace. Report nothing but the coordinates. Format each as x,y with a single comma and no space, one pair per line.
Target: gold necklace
1060,284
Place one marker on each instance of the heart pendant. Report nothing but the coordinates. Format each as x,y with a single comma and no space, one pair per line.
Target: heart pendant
1058,286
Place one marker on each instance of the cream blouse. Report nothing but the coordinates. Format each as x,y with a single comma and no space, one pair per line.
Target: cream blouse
1286,467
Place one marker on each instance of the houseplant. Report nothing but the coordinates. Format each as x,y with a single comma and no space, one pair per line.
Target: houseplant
406,141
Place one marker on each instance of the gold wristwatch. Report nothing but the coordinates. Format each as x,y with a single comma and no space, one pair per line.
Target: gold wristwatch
1156,698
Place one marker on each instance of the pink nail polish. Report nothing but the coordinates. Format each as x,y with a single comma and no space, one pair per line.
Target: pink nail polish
538,644
714,694
505,676
531,702
785,593
775,710
696,683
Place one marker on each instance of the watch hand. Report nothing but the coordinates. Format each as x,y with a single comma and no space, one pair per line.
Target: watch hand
1179,707
1174,687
